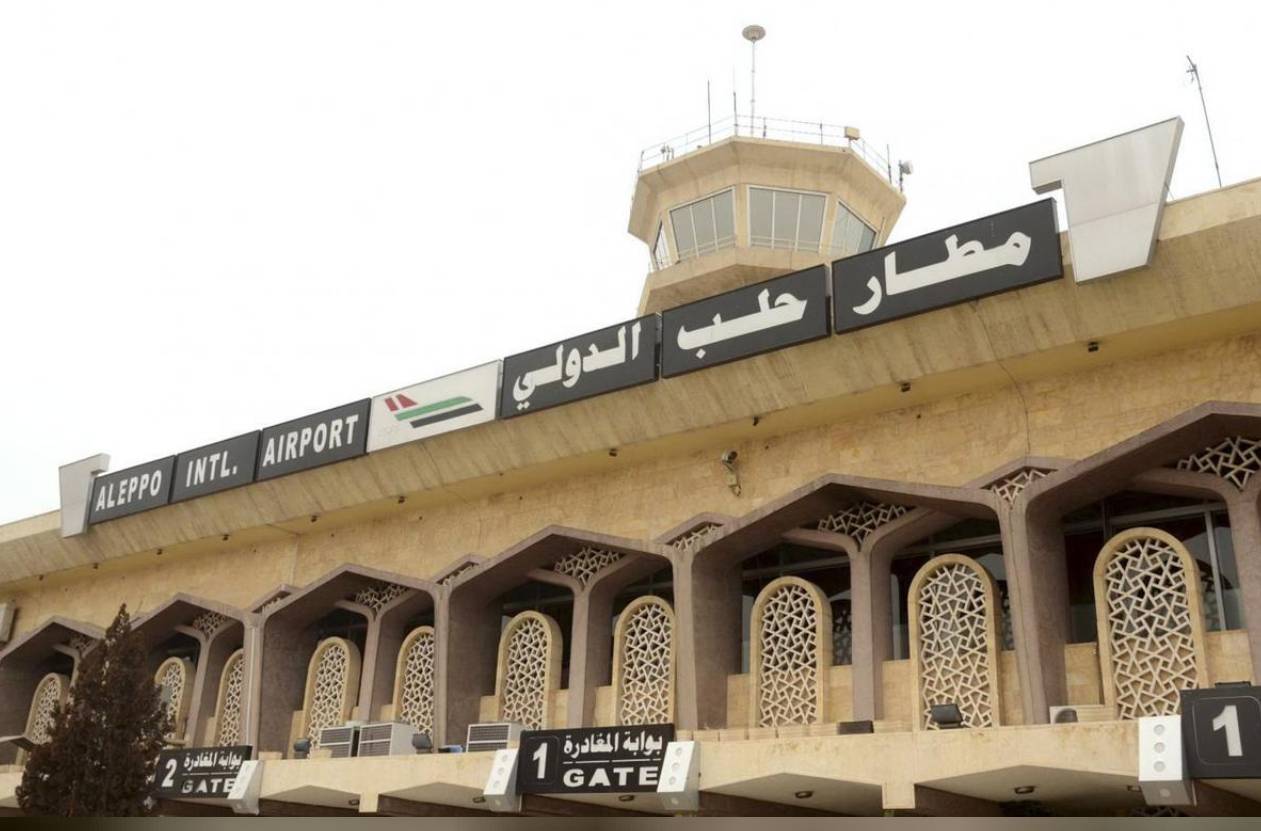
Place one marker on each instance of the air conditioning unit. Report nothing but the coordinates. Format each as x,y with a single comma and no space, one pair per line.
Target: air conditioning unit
341,740
493,736
387,738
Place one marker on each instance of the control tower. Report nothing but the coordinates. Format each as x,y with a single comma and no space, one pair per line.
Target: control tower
744,200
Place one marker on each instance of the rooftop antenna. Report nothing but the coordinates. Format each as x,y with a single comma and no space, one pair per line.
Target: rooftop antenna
753,34
1194,72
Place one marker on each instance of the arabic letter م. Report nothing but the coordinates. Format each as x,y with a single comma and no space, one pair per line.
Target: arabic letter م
1017,248
635,329
969,248
872,303
573,369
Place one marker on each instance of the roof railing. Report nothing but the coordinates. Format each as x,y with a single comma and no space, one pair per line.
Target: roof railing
782,129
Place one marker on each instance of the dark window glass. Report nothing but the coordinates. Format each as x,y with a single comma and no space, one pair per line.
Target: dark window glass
343,623
1080,551
1228,573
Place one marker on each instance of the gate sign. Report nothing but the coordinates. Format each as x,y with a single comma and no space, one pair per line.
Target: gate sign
198,772
1221,730
592,759
996,253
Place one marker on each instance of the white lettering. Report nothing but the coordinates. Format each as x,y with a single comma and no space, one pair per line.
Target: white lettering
351,420
335,437
648,775
321,436
269,454
600,777
572,778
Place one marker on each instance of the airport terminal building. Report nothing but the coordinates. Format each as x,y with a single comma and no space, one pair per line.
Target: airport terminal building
828,525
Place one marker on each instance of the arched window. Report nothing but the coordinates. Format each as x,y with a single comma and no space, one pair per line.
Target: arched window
1151,628
175,679
50,692
228,707
529,668
332,686
414,680
791,651
954,640
643,662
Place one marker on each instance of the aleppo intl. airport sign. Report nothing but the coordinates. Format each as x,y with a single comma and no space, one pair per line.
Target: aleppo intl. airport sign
592,759
748,321
997,253
132,490
314,440
198,772
613,358
215,467
1221,730
442,405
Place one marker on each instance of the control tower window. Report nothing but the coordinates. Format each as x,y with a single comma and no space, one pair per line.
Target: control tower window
850,235
785,219
704,226
661,250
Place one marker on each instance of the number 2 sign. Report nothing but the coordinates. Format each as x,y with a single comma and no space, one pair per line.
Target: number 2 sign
1221,728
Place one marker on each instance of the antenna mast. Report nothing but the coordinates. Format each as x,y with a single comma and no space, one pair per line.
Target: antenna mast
1194,72
753,34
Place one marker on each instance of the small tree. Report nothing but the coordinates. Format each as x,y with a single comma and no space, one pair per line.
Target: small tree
104,742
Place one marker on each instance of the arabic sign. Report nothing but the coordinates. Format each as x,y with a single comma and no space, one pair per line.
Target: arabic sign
748,321
215,467
132,490
1221,730
592,759
442,405
998,253
198,772
314,440
605,360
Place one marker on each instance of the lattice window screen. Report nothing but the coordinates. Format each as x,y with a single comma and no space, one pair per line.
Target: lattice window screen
175,680
414,680
1235,459
791,651
50,692
529,668
643,662
332,686
954,640
1151,628
861,518
228,709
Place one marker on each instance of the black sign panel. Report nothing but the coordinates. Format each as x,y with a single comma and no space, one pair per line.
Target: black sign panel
748,321
613,358
998,253
592,759
198,772
314,440
1221,731
215,467
132,490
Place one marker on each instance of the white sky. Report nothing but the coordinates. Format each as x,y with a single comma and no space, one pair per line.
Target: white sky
218,216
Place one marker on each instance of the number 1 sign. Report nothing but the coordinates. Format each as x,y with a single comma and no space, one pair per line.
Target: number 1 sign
1221,729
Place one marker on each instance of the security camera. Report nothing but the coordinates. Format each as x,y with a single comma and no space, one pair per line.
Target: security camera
729,458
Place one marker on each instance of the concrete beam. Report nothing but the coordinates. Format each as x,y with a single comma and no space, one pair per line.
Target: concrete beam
1211,801
394,806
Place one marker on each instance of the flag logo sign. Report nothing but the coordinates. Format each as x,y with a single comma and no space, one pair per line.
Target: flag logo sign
442,405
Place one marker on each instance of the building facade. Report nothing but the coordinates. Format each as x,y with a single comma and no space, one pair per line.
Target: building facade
1016,502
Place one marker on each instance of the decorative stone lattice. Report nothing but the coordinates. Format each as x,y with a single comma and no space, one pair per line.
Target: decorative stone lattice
81,643
643,672
1009,487
842,633
952,640
529,663
228,708
1151,632
208,623
174,677
450,578
379,595
791,647
271,602
583,565
1234,459
414,680
861,518
696,538
332,681
50,692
